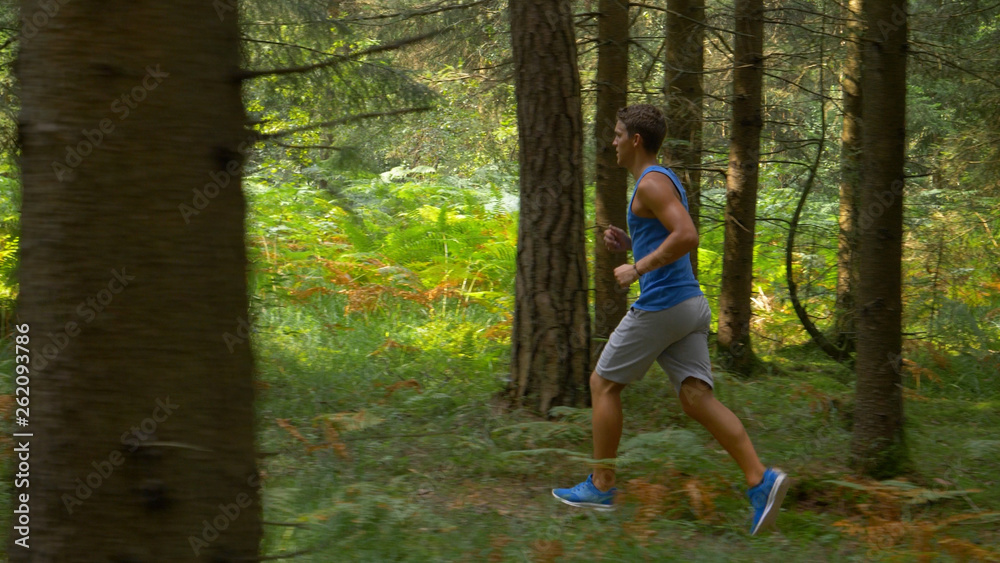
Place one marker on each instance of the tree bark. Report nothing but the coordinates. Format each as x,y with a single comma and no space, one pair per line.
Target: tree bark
682,87
551,332
878,447
610,193
142,424
850,178
741,190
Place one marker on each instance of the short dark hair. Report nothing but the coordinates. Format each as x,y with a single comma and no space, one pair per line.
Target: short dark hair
646,120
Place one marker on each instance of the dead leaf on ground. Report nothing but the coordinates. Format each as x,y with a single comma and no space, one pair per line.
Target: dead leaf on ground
546,551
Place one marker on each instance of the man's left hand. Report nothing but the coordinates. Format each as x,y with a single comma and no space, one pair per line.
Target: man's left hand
626,275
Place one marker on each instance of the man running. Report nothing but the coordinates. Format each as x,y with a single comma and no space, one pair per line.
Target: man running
668,324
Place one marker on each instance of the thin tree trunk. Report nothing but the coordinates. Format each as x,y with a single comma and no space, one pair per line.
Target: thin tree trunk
741,190
551,333
141,409
850,179
878,447
610,300
818,337
793,292
685,61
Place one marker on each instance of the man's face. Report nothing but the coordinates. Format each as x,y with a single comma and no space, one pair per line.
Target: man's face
622,144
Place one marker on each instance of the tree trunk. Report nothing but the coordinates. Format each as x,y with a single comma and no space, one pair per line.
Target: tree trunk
685,61
741,190
878,447
610,194
551,333
133,285
850,178
817,336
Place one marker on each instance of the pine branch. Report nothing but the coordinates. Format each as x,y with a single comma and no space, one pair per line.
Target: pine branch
941,59
683,16
918,15
279,43
642,48
341,121
425,11
726,47
652,62
330,147
784,9
246,75
797,85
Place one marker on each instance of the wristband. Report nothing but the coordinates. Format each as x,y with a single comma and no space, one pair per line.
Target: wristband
637,270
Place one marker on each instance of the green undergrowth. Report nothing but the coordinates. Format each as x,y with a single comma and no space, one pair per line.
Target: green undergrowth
437,472
382,313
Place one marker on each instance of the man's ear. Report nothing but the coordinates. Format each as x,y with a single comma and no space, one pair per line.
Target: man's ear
636,140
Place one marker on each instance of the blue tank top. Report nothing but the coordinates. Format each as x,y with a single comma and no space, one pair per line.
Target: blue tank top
669,285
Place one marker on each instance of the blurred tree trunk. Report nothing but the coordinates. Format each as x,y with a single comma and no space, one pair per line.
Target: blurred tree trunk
741,190
133,284
551,333
685,61
610,299
850,179
878,447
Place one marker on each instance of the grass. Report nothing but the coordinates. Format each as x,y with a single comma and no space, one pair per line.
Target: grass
438,472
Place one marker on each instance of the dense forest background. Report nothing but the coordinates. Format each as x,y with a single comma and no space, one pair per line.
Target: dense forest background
384,193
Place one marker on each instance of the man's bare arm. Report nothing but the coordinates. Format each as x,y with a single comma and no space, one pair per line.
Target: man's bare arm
657,193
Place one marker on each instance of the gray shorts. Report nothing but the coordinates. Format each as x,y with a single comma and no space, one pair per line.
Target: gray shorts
677,338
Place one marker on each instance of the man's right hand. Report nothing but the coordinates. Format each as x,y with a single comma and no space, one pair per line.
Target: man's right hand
616,240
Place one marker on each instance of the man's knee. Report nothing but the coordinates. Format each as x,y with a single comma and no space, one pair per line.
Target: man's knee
600,386
694,395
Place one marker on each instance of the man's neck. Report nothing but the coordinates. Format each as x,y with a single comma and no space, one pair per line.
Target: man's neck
641,163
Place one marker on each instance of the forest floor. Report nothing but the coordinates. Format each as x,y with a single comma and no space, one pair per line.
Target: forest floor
431,469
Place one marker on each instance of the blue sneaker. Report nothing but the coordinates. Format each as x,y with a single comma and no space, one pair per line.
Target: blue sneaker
586,495
766,498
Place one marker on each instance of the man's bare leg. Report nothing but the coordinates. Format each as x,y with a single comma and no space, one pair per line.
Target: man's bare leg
605,396
700,404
